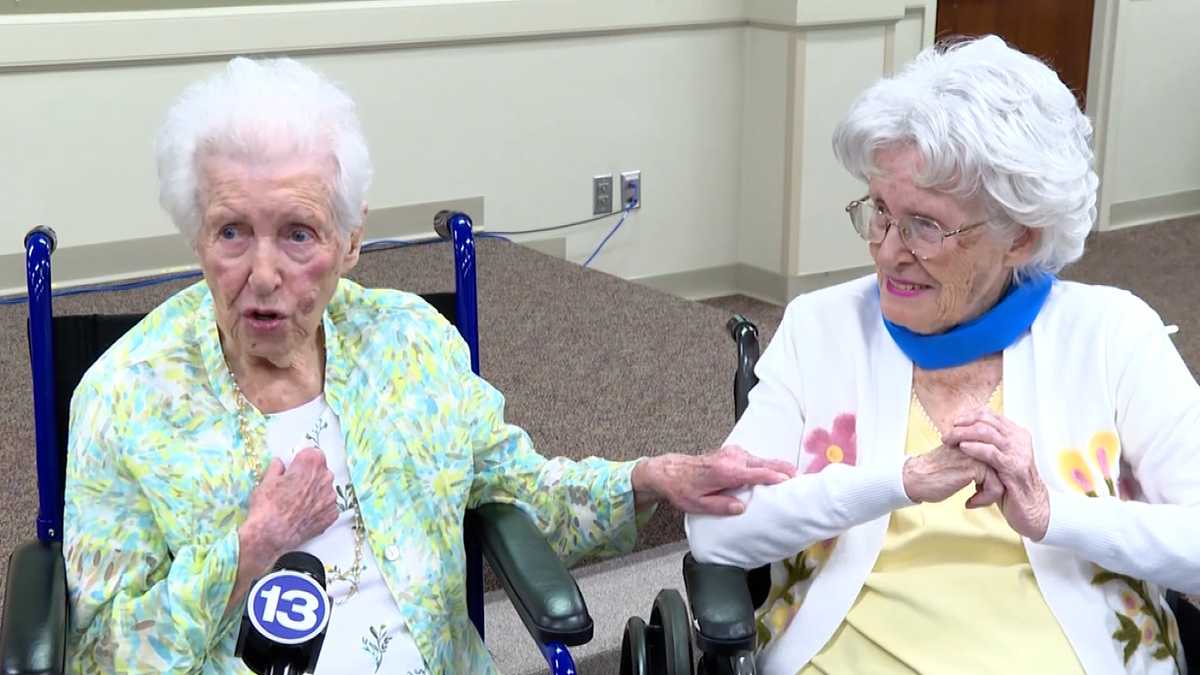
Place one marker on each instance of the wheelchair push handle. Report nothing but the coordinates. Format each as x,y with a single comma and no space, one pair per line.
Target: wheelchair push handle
745,334
40,243
445,222
47,232
738,325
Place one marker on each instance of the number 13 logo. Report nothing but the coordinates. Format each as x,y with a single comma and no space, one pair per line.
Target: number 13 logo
288,607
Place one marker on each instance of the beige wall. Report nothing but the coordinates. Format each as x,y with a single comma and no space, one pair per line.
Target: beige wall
523,121
726,106
51,6
1146,75
799,82
765,120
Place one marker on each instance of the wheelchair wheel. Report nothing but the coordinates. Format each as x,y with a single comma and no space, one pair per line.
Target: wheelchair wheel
671,636
634,659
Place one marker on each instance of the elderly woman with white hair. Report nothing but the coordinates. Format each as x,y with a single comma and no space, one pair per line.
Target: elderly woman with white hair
998,471
275,406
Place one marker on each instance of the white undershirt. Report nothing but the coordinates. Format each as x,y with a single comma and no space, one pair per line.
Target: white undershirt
366,632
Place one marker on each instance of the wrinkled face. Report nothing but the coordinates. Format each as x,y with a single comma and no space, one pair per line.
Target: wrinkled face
963,280
271,252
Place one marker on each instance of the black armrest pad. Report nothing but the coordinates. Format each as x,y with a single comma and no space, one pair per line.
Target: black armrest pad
538,584
721,607
33,637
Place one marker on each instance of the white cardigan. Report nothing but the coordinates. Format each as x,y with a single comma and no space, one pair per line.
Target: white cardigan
1097,359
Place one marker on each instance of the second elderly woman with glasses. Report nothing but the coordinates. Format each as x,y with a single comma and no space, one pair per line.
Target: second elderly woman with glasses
998,471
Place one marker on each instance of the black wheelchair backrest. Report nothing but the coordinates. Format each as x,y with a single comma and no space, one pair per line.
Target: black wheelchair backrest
79,340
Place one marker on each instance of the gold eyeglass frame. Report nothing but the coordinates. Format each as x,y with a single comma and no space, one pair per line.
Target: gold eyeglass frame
893,221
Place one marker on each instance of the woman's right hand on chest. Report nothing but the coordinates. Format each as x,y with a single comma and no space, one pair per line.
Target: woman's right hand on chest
290,506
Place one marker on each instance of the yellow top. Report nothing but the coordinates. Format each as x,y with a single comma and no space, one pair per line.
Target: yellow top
951,592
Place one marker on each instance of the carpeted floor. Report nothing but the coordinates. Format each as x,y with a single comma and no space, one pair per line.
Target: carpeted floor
1158,264
592,364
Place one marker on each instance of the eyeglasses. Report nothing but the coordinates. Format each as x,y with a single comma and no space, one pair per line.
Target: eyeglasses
921,236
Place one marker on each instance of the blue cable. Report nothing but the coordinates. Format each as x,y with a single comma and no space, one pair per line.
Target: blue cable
387,244
606,238
122,286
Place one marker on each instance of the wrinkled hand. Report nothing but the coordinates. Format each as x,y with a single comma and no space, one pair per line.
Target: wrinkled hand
936,476
291,506
999,443
693,484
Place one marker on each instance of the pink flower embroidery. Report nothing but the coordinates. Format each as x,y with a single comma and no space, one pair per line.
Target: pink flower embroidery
838,446
1075,470
1106,448
1131,602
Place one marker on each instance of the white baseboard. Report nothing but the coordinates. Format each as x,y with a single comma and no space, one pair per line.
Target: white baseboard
742,279
556,247
1154,209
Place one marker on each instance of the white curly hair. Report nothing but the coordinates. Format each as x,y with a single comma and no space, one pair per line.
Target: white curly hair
989,122
261,109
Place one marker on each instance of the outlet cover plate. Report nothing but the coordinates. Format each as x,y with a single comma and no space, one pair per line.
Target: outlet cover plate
602,195
631,189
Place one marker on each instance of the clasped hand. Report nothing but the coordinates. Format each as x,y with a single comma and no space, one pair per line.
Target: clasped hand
996,455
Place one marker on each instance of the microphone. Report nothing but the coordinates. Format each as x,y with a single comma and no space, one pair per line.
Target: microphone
287,612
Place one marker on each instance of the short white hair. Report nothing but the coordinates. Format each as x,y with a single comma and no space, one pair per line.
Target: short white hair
257,109
989,122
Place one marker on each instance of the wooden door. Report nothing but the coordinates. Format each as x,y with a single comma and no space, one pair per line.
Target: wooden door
1057,31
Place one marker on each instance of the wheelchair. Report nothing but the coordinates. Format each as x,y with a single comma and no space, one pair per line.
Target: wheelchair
723,598
36,612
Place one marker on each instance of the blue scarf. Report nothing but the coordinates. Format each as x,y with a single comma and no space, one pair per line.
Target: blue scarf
988,333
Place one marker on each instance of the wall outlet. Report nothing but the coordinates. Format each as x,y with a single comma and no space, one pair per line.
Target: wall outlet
602,195
631,190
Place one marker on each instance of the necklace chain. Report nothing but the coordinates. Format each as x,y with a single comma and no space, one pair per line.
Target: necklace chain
253,460
925,413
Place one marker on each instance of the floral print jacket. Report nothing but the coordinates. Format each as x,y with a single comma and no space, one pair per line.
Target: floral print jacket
159,478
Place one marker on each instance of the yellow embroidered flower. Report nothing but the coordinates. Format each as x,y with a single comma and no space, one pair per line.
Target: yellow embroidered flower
780,616
1106,448
1076,471
1149,633
1131,602
820,551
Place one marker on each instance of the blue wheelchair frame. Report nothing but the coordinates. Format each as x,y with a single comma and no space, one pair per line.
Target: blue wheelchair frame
39,246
